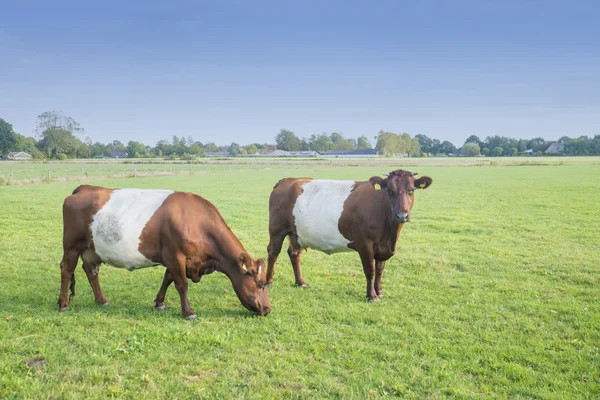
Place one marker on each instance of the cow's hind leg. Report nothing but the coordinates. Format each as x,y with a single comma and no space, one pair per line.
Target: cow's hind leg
273,249
67,275
175,263
91,266
379,266
159,301
294,251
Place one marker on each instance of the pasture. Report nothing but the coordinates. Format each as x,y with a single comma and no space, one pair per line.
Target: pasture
494,292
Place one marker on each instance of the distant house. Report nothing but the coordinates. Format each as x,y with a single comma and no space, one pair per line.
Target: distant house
284,153
19,156
216,154
366,153
118,154
555,148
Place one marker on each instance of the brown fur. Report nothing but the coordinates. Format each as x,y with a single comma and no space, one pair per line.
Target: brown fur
186,234
367,221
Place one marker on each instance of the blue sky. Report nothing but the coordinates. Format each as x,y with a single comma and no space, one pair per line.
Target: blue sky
239,71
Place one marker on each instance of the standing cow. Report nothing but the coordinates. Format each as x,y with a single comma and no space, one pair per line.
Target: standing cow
138,228
336,216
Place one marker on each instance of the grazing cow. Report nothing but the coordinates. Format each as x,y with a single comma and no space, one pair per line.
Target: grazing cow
138,228
336,216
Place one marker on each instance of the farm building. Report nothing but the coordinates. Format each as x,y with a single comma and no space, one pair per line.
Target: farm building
555,148
366,153
18,156
216,154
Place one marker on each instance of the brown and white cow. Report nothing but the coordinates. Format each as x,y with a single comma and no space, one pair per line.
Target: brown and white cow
138,228
336,216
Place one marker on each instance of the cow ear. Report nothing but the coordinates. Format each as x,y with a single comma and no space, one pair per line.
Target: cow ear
378,183
423,182
245,262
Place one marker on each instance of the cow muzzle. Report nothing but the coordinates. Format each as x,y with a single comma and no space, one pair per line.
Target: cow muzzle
402,218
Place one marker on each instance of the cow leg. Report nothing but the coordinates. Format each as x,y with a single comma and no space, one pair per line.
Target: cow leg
91,271
294,251
67,270
91,266
379,266
274,248
159,302
368,262
175,263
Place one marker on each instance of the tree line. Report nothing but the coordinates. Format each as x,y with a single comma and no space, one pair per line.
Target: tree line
59,137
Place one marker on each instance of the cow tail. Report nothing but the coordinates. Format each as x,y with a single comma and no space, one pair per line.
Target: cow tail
72,287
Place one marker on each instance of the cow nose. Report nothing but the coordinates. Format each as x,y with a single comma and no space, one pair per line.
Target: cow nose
402,217
265,310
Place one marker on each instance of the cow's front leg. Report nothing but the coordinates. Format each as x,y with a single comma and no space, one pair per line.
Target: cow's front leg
175,264
368,262
379,266
159,301
273,249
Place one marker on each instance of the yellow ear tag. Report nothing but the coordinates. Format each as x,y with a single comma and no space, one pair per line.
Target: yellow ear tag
244,267
422,185
377,186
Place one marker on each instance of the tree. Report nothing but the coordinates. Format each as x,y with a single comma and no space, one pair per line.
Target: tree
497,151
8,138
447,148
57,141
513,151
470,149
474,139
485,151
363,143
388,144
535,142
234,149
28,145
211,147
135,149
55,119
251,149
57,134
97,149
196,150
287,140
320,142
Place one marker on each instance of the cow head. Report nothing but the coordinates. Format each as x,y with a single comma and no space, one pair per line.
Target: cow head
250,284
400,186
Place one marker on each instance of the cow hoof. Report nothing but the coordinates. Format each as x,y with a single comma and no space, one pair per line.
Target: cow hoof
191,317
303,285
160,308
104,305
373,300
381,296
63,309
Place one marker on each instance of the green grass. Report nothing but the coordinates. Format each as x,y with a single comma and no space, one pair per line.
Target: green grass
494,292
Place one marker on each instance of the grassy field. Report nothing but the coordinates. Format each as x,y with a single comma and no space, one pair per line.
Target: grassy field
32,172
494,292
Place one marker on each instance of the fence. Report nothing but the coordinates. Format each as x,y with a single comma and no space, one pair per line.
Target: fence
47,172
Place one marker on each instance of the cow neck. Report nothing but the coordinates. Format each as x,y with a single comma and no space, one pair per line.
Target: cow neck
230,250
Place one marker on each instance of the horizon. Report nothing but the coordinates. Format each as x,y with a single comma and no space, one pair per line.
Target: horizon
240,72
